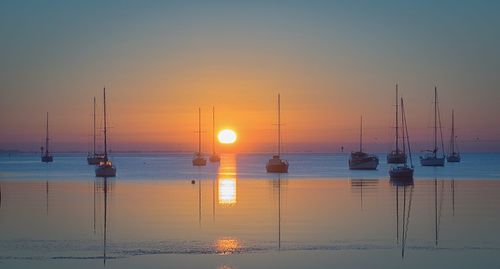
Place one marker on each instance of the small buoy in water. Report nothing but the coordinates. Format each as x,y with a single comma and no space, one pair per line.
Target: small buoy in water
193,181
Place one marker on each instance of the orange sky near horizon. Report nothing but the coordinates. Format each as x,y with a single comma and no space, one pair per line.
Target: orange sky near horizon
331,63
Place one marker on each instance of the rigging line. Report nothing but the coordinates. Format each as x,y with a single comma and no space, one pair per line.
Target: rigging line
440,130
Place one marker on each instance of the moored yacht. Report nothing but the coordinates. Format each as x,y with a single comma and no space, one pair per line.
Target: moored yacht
431,157
198,158
46,157
396,155
276,164
105,167
404,171
361,160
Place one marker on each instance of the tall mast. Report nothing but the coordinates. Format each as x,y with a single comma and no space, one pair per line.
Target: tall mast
435,121
397,127
279,125
361,135
105,128
452,131
199,130
47,136
94,126
213,130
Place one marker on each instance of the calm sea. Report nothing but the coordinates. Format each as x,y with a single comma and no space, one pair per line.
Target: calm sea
160,212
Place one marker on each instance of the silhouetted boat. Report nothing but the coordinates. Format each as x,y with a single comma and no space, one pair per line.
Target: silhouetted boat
214,157
396,156
360,160
106,167
199,159
46,157
431,158
94,158
276,164
403,172
454,156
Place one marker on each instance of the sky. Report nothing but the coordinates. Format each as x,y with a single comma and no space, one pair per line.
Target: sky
331,61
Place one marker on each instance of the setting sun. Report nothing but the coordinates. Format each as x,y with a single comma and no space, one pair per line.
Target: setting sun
227,136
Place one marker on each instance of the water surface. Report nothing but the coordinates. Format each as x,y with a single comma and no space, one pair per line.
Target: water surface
161,212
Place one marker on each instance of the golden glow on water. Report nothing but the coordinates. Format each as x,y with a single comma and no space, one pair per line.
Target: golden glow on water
226,183
227,191
227,245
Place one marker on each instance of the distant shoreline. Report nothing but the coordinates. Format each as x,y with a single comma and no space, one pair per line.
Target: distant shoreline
3,152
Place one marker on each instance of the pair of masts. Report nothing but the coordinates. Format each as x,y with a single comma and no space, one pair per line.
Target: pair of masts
431,158
199,159
105,167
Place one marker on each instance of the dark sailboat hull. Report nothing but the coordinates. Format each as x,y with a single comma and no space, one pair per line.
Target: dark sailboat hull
453,159
280,168
95,160
214,158
396,158
432,161
199,161
47,158
401,173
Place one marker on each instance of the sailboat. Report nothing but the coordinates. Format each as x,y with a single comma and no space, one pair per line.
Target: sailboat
403,172
199,159
214,157
105,168
276,164
454,156
431,157
396,156
94,158
46,157
360,160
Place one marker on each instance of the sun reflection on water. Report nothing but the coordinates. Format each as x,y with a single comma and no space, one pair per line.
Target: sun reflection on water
227,191
227,245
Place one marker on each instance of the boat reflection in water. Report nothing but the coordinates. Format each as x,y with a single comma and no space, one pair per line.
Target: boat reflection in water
360,184
104,185
277,184
407,189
